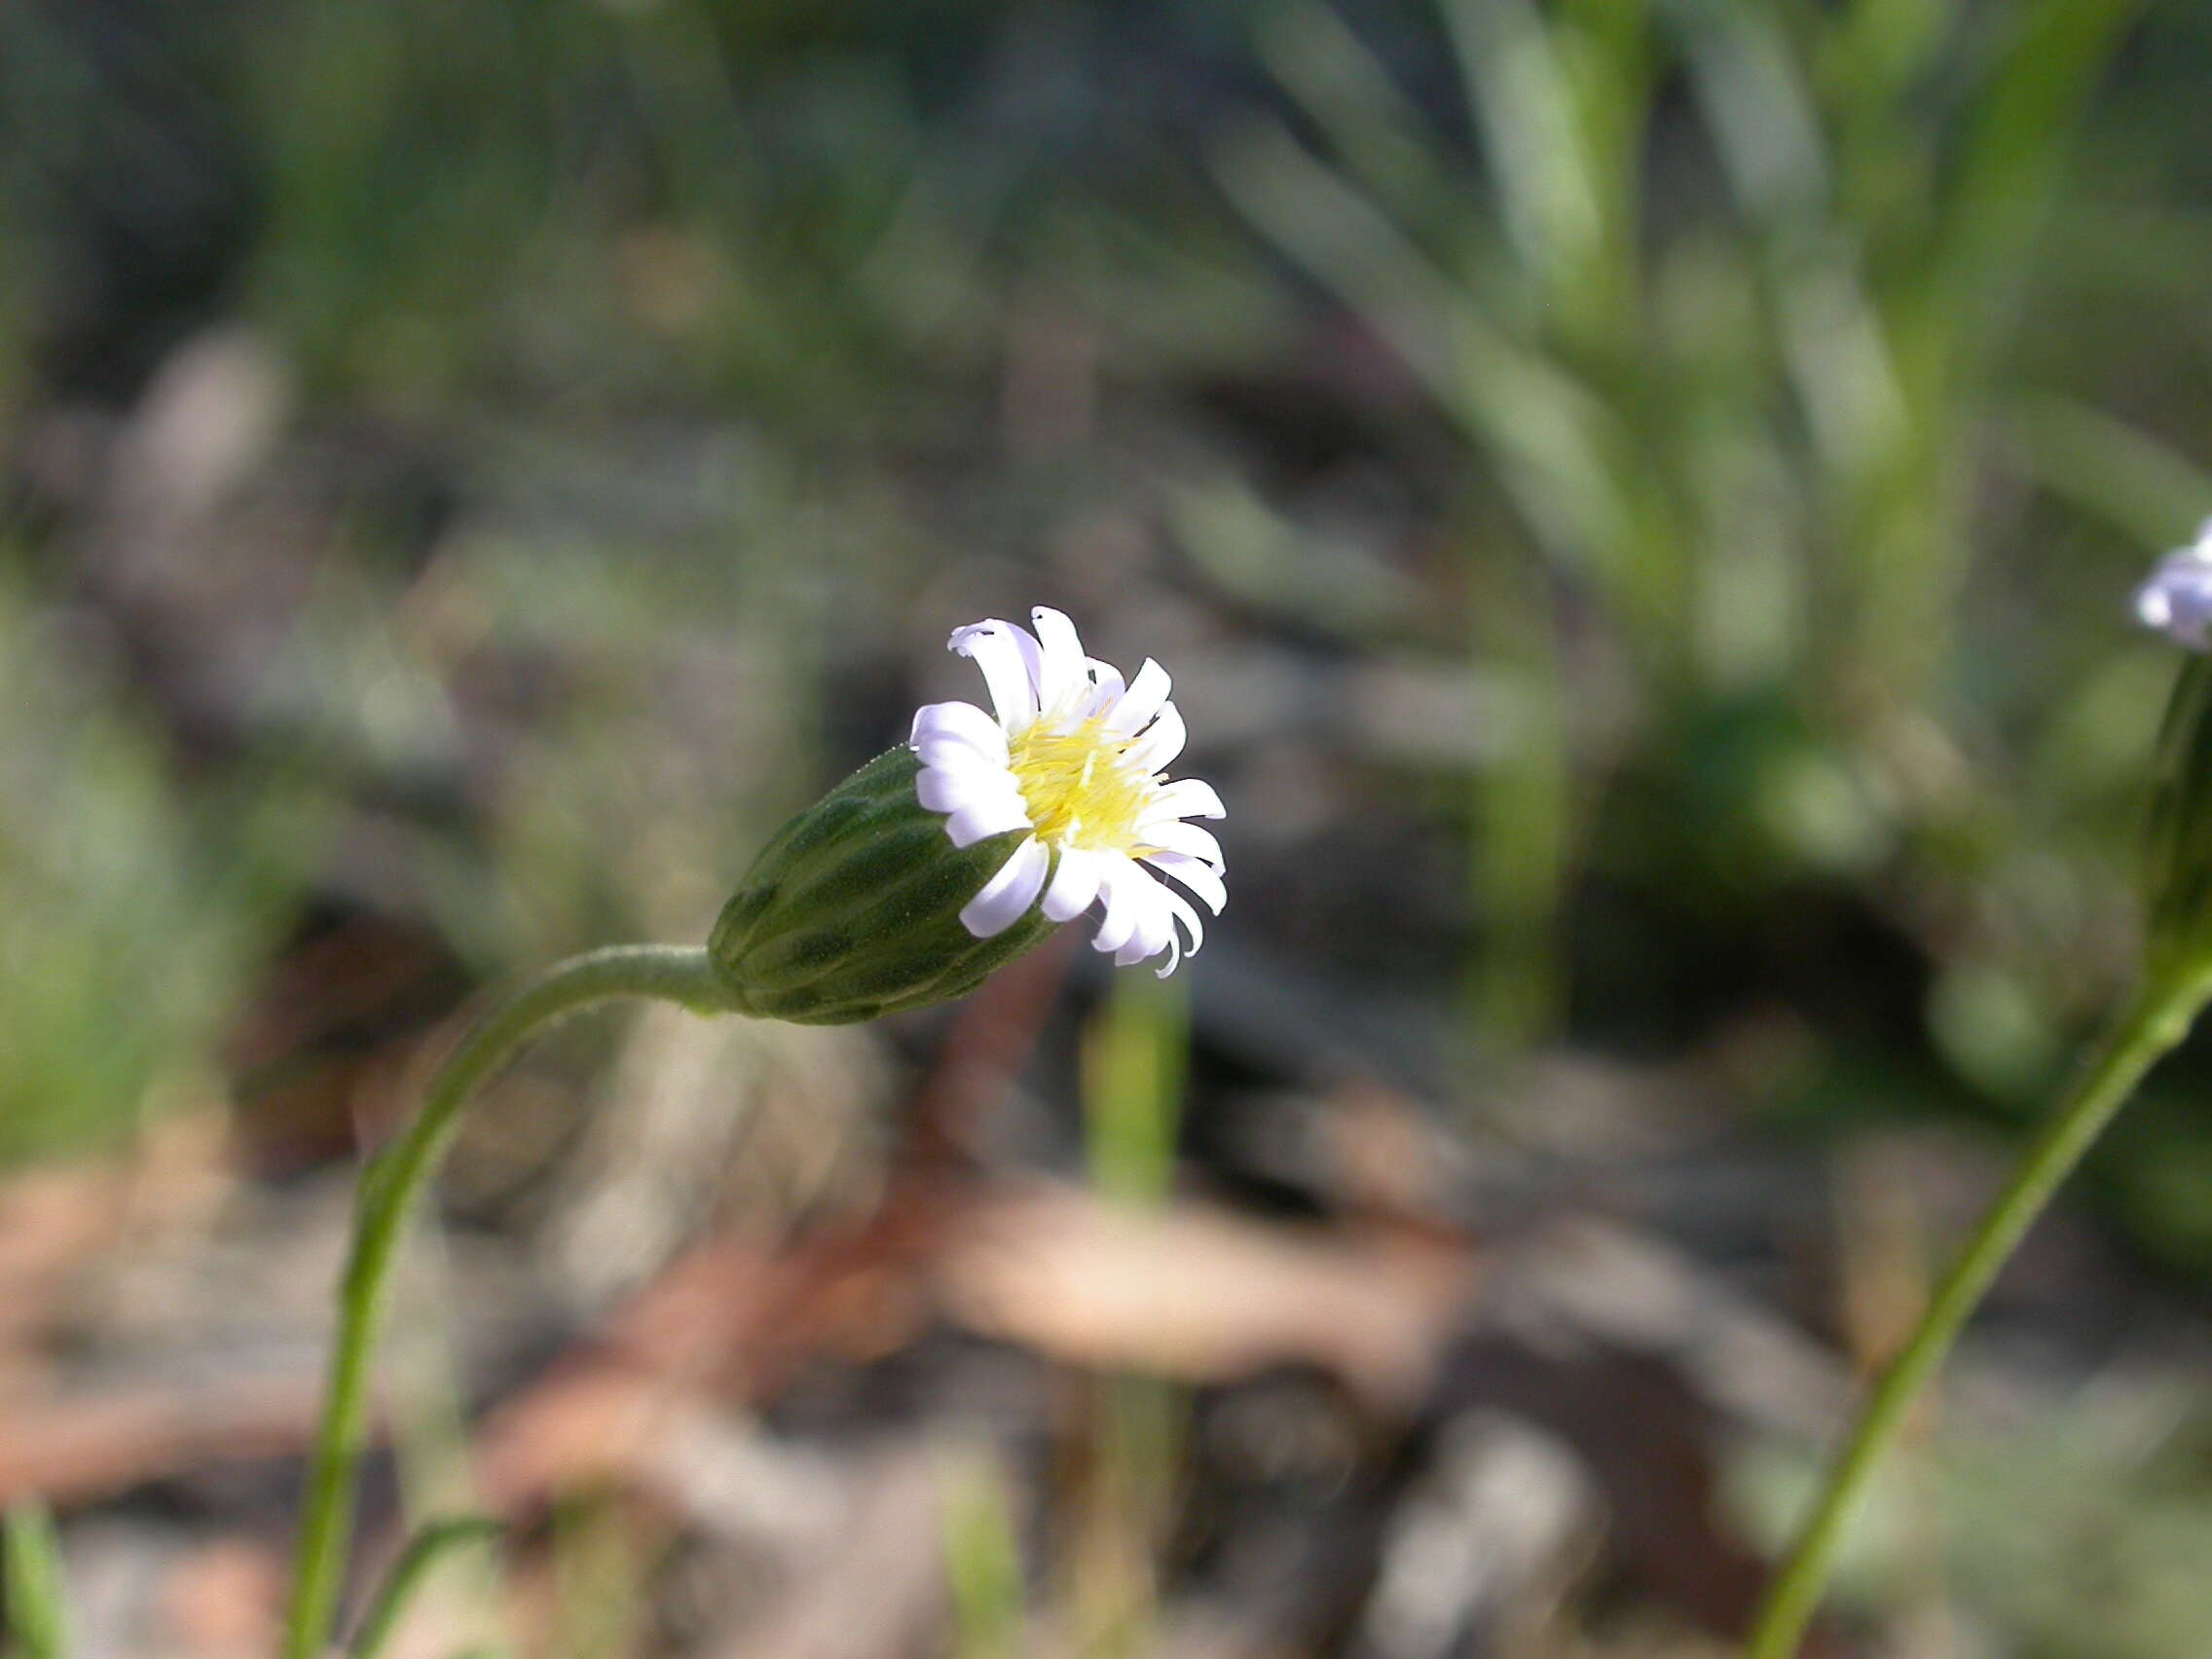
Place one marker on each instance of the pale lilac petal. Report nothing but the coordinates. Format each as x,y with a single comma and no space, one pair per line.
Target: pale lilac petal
1006,897
1007,655
1142,700
1162,743
944,788
1075,884
1174,835
1195,874
1187,798
2177,599
1120,884
959,722
1059,657
979,820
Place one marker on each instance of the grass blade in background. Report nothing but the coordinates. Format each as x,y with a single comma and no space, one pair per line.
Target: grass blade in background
38,1591
982,1560
1133,1066
431,1544
1134,1062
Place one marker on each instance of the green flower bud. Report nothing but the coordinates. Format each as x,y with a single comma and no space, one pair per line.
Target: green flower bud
853,909
2177,861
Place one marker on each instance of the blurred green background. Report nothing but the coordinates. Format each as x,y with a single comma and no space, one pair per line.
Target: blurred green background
1641,500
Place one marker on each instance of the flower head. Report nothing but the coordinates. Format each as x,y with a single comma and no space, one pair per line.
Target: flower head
2177,864
2177,599
1073,759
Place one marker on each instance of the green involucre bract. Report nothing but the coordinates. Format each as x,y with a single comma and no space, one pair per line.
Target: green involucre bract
853,909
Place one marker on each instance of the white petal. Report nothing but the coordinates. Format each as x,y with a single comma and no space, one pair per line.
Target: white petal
992,815
1180,908
1107,684
957,755
1162,743
1032,655
959,722
1156,928
1008,894
1059,657
944,788
1188,798
1007,656
1142,700
1120,884
1174,835
1075,884
1195,874
1024,644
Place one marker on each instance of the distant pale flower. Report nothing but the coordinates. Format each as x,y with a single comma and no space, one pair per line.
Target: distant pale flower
1075,758
2177,599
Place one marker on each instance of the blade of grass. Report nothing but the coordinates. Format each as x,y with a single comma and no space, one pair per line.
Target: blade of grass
1519,857
1543,430
1133,1064
431,1544
2105,466
982,1560
1381,136
1607,55
2022,130
1526,113
1775,153
1880,48
38,1602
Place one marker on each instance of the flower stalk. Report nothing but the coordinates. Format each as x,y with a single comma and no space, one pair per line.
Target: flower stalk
389,1191
2158,1020
2176,985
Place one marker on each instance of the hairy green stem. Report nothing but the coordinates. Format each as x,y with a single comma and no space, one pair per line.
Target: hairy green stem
2159,1018
394,1178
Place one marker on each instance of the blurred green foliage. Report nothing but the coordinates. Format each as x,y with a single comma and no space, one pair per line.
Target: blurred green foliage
136,907
2090,1540
2074,1527
1728,302
1804,415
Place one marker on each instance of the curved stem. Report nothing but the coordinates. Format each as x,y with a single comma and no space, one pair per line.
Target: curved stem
2158,1021
389,1186
429,1546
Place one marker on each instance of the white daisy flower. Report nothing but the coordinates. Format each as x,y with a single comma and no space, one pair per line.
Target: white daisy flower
2177,599
1075,756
